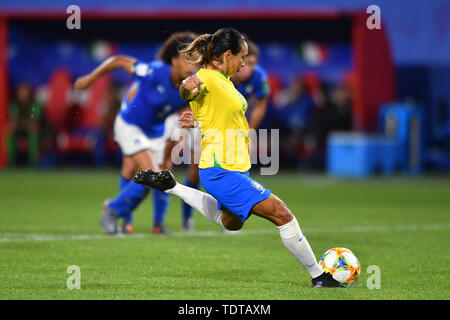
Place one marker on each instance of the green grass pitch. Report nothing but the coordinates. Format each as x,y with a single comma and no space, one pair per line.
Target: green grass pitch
50,220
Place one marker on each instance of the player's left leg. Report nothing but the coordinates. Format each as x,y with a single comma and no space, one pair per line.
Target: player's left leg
205,203
165,181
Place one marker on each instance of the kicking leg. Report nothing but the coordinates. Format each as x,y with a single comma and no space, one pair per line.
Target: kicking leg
165,181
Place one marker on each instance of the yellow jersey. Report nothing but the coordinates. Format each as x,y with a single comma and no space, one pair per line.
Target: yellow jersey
219,108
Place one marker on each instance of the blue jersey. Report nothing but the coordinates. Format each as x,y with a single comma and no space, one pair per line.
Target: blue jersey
257,85
155,98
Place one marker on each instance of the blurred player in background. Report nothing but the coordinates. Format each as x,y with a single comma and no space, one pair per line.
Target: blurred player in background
139,127
251,81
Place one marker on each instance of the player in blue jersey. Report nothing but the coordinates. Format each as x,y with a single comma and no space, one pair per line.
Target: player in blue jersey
140,128
251,81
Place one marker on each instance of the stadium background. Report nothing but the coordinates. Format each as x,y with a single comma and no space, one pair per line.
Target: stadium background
49,218
326,45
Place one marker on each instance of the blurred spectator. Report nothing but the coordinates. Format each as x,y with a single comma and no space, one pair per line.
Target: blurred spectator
80,137
294,108
26,122
294,105
342,100
333,112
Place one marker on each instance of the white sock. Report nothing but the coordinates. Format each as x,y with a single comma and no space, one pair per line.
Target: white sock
201,201
296,243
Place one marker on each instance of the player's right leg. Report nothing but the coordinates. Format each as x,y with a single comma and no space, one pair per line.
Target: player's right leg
274,210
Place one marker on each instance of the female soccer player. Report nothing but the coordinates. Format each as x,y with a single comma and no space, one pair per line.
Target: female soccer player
220,110
251,81
140,125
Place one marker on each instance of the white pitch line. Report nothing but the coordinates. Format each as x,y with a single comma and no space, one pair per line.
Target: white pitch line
14,237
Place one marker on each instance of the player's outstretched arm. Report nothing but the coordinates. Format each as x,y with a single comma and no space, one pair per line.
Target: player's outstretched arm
190,87
110,64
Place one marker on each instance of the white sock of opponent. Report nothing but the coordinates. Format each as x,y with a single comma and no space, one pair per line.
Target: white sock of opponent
296,243
203,202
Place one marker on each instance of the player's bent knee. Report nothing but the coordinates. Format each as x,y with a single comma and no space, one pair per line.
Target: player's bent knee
231,222
234,227
282,213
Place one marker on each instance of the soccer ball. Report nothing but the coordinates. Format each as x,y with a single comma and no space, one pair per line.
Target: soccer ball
342,264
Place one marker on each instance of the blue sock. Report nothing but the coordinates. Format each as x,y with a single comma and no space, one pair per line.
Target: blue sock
187,209
161,202
128,217
128,199
123,182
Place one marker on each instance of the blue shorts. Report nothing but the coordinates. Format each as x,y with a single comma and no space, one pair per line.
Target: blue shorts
234,190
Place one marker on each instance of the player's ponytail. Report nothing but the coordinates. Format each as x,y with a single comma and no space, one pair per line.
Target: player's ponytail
208,47
198,52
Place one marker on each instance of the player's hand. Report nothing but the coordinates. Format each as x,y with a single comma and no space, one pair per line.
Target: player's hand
192,84
187,120
83,82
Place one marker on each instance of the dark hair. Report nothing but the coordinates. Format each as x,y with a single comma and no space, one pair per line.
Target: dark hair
253,49
209,47
176,42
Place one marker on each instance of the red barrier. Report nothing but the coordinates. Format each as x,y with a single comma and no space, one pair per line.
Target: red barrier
373,75
3,90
